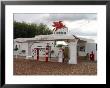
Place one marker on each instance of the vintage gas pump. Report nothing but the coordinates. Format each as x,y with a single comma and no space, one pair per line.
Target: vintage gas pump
92,56
37,53
47,52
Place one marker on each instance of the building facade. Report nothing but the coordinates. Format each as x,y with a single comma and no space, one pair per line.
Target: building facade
83,46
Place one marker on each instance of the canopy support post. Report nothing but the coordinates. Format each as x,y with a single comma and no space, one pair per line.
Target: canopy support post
73,52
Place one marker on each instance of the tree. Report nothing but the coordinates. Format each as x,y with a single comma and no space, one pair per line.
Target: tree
42,29
26,30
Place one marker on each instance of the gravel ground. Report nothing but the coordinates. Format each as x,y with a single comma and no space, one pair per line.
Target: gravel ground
32,67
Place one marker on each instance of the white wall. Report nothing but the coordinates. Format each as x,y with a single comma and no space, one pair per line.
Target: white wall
73,52
81,53
24,46
91,47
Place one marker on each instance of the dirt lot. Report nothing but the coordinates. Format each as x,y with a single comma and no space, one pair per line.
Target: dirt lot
32,67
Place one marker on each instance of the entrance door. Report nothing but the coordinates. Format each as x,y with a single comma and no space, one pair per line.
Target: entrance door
66,55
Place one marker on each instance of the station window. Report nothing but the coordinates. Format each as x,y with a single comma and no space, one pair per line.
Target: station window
64,32
61,32
39,46
82,48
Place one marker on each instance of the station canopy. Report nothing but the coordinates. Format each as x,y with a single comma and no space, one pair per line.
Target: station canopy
51,38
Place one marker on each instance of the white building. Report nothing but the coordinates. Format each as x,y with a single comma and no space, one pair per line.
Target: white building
77,46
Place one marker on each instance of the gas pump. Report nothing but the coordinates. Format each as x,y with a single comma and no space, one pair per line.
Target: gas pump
92,56
47,52
36,53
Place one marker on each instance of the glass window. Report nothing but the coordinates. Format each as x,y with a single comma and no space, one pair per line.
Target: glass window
61,32
39,46
82,48
64,32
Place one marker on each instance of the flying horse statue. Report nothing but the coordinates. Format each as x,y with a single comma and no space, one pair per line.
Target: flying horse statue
58,25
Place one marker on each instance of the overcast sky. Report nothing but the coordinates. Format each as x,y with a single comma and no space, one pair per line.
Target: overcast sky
79,24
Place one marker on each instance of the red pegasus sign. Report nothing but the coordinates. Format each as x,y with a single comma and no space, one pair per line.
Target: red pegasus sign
58,25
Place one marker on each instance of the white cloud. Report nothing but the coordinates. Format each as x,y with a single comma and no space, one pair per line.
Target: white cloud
82,27
72,16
